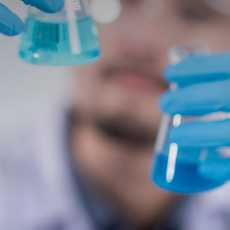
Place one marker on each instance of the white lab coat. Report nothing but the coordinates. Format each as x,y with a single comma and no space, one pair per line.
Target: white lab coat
36,191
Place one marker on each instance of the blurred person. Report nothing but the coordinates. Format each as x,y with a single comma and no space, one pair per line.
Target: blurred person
88,167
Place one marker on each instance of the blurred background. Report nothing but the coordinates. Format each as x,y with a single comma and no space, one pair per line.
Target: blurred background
26,90
112,125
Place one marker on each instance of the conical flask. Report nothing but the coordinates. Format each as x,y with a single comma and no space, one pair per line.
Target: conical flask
65,38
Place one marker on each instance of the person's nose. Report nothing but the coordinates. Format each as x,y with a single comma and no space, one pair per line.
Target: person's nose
139,38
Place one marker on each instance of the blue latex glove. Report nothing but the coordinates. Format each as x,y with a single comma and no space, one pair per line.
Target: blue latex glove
203,88
11,24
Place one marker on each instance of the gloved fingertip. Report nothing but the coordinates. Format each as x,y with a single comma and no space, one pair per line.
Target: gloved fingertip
10,23
165,102
169,73
49,6
53,6
216,171
17,28
12,29
57,6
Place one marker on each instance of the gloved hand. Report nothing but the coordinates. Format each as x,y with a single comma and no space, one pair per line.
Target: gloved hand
11,24
203,88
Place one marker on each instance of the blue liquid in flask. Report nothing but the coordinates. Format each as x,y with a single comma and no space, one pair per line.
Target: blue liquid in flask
48,43
187,178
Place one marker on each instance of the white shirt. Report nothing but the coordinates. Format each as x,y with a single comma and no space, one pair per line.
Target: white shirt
36,190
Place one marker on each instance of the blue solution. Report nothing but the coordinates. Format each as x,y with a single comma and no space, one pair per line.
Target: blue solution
48,43
187,178
217,166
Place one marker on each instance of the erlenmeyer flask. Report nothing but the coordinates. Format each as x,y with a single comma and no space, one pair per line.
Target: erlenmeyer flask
176,168
66,38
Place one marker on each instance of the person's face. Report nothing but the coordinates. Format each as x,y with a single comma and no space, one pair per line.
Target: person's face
120,92
125,84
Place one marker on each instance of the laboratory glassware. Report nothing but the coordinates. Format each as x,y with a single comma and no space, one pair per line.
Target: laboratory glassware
68,37
177,168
